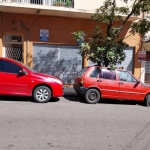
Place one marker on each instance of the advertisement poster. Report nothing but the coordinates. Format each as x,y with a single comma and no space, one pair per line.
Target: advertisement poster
141,56
44,35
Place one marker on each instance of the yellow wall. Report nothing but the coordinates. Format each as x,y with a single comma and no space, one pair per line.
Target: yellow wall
0,34
135,42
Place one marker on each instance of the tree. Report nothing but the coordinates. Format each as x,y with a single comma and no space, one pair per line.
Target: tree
106,47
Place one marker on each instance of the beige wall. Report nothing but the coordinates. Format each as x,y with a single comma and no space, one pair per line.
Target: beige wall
94,4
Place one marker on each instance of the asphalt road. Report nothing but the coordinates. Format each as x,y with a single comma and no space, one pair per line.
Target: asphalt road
68,124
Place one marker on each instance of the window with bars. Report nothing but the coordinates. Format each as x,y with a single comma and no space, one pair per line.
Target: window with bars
13,47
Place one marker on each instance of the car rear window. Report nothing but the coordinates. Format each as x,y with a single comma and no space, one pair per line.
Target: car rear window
80,73
95,73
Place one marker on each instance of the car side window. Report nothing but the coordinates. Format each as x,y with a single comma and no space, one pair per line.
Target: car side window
106,74
1,66
125,76
94,73
9,67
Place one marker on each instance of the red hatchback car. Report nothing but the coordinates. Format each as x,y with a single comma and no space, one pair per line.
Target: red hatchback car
95,83
18,79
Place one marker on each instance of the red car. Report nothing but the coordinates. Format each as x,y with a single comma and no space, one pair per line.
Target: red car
18,79
95,83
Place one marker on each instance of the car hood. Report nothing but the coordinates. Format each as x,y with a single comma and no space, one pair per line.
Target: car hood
48,76
146,85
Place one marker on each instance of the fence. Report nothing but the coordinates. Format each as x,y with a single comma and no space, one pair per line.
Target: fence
62,3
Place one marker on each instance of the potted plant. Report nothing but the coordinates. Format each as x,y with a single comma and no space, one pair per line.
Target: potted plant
69,3
58,3
79,36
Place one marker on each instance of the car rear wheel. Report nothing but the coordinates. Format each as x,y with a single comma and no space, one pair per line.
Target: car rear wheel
42,94
92,96
147,100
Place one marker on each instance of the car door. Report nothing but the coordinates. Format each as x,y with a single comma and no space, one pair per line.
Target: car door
129,88
108,84
10,81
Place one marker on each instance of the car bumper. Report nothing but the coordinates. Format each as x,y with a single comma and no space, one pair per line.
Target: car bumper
79,89
59,91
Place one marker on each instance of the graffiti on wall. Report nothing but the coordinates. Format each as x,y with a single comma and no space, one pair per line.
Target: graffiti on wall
67,70
64,63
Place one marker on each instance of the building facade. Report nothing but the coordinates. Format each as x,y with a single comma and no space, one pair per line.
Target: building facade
38,34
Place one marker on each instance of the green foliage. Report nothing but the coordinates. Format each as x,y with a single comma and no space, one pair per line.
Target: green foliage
106,47
69,3
78,35
59,3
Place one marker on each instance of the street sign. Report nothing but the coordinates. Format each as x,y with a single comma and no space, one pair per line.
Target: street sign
44,35
141,56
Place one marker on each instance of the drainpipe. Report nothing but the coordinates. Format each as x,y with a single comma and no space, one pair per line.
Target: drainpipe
27,45
142,62
27,41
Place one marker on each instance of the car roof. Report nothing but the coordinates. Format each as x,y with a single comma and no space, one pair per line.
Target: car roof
106,68
5,58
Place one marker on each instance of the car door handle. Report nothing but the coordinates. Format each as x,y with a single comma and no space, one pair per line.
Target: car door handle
121,83
99,80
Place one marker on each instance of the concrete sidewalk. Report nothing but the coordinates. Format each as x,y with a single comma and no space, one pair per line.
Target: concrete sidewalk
69,91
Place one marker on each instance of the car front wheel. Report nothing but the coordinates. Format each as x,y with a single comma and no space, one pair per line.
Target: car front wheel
147,100
42,94
92,96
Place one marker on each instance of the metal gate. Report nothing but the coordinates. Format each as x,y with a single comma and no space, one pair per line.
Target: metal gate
14,53
61,61
13,47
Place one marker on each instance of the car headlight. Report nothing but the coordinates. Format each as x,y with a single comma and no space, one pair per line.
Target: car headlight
54,80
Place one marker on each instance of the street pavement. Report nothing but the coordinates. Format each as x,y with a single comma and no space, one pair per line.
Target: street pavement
69,91
68,123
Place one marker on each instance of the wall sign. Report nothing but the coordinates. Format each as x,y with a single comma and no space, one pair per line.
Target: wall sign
141,56
44,35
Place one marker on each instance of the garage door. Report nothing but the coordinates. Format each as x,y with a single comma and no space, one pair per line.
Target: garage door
128,62
61,61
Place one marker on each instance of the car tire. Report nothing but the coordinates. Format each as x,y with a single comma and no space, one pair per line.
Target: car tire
42,94
147,100
92,96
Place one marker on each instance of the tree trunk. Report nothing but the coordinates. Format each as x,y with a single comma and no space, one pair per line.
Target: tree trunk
106,62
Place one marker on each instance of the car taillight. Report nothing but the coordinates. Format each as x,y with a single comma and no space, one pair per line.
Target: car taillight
81,82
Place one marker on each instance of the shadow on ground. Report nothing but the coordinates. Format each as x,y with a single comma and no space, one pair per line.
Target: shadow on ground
71,95
104,101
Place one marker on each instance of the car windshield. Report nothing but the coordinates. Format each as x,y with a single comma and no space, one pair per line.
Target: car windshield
80,73
32,70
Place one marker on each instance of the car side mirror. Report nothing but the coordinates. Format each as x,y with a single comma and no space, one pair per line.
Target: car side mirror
22,72
137,82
